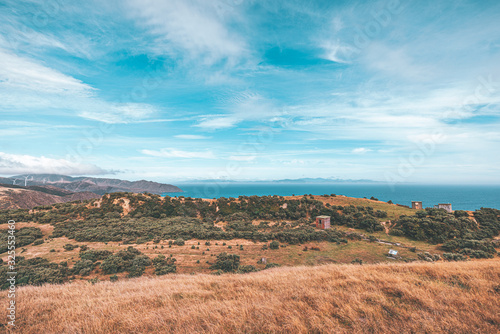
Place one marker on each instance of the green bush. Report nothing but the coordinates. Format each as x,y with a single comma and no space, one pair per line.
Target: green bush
179,242
23,236
164,265
246,269
82,267
69,247
272,265
274,245
454,257
226,262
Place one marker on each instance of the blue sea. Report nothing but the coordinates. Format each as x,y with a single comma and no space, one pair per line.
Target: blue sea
466,197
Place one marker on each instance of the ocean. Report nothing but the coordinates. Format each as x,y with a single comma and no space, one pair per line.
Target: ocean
462,197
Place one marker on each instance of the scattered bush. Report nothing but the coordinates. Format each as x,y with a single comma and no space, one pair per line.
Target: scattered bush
274,245
179,242
454,257
226,262
69,247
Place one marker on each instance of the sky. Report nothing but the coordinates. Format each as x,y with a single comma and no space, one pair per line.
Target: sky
170,90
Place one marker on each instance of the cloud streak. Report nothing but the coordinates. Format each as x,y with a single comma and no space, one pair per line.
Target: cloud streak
11,164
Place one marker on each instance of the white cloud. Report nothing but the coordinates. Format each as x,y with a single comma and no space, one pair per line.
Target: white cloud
27,85
192,137
361,150
197,27
336,52
22,73
119,113
217,122
245,106
242,157
173,153
11,164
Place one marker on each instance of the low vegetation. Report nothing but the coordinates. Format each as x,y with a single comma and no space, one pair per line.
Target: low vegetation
201,234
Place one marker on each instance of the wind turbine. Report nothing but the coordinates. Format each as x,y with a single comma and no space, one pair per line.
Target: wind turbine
26,180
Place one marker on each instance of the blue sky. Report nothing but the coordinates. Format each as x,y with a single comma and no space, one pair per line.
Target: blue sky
396,91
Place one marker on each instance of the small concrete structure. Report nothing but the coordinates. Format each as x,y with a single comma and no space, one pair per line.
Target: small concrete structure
417,205
393,252
323,222
446,206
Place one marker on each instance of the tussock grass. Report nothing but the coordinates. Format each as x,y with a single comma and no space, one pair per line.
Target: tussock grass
381,298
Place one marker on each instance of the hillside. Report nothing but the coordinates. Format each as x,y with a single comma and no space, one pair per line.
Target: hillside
98,186
17,197
445,297
128,235
251,264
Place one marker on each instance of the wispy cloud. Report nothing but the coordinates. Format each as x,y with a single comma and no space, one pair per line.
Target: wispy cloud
198,28
173,153
242,157
19,72
11,164
217,122
119,113
360,150
27,84
192,137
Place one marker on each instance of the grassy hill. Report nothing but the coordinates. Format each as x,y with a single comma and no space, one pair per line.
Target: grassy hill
135,263
443,297
92,239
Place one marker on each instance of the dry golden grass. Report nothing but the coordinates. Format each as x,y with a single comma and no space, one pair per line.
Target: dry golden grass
382,298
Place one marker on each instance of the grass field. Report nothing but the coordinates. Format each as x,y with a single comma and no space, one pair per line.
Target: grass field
444,297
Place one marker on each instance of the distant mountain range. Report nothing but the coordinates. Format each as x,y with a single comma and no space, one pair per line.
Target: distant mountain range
99,186
19,197
302,180
28,191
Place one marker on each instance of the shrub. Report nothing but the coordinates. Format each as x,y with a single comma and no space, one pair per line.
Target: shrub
272,265
24,236
95,255
83,267
454,257
38,242
69,247
274,245
226,262
426,256
179,242
164,265
246,269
